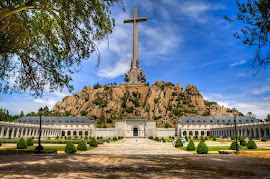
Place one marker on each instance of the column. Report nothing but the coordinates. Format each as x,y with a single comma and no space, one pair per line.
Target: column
18,132
7,133
2,132
12,133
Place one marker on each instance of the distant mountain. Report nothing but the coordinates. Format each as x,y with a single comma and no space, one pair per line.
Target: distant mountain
163,102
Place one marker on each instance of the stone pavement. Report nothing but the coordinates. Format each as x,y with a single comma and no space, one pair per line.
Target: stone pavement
136,146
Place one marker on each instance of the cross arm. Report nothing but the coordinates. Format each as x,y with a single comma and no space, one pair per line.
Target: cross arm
128,20
140,19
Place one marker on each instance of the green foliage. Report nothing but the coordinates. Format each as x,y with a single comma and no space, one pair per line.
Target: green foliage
232,137
206,113
85,138
70,148
5,116
255,33
206,138
186,138
195,137
48,138
21,144
179,143
251,144
264,139
177,112
174,94
191,146
214,138
93,142
115,138
109,120
82,145
156,139
242,141
84,113
202,139
162,139
56,138
267,119
136,103
100,101
156,100
233,146
0,143
172,137
30,142
209,103
150,137
130,109
168,125
202,148
44,42
157,117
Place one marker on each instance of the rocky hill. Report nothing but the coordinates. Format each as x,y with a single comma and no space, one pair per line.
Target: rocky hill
163,102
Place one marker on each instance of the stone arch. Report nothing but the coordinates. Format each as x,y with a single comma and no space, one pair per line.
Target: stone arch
68,133
251,132
257,132
190,133
196,133
239,132
5,132
208,133
63,133
262,132
80,133
74,133
185,133
86,133
202,133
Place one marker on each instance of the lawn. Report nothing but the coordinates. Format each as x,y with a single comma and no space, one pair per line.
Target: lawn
217,148
59,148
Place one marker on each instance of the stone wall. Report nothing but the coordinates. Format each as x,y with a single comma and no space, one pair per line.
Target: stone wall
105,132
165,132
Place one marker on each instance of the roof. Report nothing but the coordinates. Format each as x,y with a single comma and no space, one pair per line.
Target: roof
218,119
135,117
54,119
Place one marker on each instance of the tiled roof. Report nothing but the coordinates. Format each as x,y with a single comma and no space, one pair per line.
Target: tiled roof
218,119
53,119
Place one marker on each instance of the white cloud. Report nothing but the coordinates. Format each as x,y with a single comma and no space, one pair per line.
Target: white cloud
261,90
241,62
110,72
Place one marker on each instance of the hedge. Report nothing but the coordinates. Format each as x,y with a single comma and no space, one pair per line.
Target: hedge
21,144
82,145
191,146
70,148
30,142
251,144
202,148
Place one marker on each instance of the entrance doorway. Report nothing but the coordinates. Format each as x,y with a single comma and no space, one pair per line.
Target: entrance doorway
135,132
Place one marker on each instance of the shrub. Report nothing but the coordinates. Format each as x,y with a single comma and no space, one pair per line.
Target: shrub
232,137
179,143
30,142
21,144
202,148
114,138
130,109
206,138
0,143
70,148
186,138
93,142
81,145
172,137
156,139
202,139
48,138
233,146
251,144
242,141
191,146
69,137
56,137
214,138
264,139
150,137
85,138
195,137
162,139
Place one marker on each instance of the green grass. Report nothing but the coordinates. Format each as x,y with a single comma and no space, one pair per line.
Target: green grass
217,148
59,148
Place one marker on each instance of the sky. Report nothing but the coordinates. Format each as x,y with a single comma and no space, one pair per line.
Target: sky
181,42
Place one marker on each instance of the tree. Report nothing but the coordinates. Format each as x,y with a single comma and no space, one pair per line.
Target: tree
249,114
255,15
43,42
267,118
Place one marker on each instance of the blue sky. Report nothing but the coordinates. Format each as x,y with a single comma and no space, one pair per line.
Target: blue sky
182,42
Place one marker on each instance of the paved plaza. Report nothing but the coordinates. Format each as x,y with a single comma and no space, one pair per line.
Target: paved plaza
137,146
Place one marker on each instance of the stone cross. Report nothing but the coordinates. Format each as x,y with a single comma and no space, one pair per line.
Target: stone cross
135,20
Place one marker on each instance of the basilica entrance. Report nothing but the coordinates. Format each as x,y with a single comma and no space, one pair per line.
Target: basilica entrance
135,132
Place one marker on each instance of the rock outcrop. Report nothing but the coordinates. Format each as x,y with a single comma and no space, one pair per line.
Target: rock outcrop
162,101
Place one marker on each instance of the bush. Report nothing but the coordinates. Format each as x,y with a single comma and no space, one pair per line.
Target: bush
186,138
93,142
150,137
202,139
130,109
191,146
162,139
242,141
114,138
195,137
233,146
206,138
179,143
30,142
21,144
156,139
232,137
202,148
81,145
70,148
264,139
85,138
56,137
214,138
251,144
172,137
48,138
0,143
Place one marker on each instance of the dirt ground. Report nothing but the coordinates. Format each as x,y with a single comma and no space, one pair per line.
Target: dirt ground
139,166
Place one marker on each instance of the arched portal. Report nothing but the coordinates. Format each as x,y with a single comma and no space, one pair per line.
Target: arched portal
135,131
63,133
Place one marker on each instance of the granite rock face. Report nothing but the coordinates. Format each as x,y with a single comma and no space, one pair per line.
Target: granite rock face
162,101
